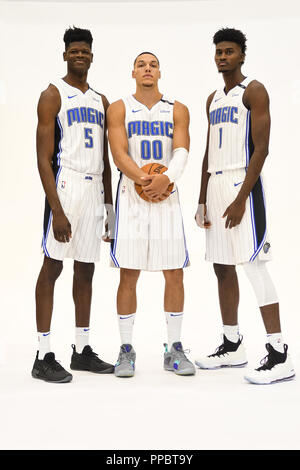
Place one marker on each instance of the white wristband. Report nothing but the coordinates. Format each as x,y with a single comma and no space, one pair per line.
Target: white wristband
177,164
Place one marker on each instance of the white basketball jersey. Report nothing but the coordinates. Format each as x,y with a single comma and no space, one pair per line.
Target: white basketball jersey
79,130
149,131
230,142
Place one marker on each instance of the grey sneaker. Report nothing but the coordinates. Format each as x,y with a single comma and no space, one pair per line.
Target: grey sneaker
126,361
176,361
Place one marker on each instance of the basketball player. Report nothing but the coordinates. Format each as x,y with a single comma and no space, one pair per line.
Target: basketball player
232,209
145,128
75,172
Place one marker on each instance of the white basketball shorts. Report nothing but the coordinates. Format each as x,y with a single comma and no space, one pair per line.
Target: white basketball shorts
82,199
249,239
148,236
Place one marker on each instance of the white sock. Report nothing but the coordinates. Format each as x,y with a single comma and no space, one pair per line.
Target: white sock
174,321
231,332
81,337
43,343
126,323
275,340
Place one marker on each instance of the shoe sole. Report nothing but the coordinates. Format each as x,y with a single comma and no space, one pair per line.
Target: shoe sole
284,379
62,381
124,375
180,373
243,364
110,370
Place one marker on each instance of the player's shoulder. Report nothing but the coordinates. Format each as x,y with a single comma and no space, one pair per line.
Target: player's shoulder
50,92
116,109
180,106
255,85
210,98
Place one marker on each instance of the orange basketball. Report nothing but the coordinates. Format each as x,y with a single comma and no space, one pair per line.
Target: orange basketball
151,169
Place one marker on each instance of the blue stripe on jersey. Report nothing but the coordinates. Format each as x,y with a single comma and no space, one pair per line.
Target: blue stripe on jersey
45,237
114,243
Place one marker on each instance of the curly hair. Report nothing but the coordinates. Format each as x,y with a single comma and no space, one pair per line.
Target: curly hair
77,34
231,35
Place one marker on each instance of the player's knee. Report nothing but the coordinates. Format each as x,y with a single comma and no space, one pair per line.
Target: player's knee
223,271
174,276
52,269
84,272
129,277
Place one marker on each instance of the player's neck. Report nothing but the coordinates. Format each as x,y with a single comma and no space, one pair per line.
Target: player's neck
148,96
232,79
77,81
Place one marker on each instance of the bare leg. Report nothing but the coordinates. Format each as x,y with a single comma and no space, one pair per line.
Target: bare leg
271,319
126,297
82,292
44,292
174,290
228,293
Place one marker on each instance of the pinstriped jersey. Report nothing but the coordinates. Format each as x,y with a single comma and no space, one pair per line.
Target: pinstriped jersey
230,143
79,131
149,131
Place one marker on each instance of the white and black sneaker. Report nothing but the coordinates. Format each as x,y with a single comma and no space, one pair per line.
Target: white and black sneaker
276,367
229,354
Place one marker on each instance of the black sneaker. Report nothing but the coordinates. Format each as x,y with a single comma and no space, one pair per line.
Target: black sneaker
50,370
89,360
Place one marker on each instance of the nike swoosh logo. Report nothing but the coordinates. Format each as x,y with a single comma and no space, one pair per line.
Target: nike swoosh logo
46,334
179,315
127,316
236,184
71,96
98,101
164,111
86,329
136,110
236,94
218,99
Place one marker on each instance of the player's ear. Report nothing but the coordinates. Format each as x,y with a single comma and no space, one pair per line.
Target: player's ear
65,56
92,57
133,74
159,76
243,56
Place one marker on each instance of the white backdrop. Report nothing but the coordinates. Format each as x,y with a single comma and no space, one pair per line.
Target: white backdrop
180,34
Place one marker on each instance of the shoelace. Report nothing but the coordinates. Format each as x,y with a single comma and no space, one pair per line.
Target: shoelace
220,351
55,365
267,363
90,352
180,353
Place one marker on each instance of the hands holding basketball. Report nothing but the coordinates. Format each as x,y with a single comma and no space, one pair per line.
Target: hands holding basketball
156,186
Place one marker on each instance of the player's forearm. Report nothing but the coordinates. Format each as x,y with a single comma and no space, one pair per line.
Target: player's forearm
49,185
107,185
204,180
127,166
253,171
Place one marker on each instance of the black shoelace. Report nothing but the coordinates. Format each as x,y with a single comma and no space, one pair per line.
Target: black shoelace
220,351
267,362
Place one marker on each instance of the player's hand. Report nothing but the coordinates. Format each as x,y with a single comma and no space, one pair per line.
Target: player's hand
201,218
155,186
234,214
61,228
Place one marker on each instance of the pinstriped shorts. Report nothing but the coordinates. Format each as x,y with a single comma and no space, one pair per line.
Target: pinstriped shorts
82,199
148,236
249,239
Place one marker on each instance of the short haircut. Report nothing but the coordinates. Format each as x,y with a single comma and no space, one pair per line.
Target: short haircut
146,52
77,35
231,35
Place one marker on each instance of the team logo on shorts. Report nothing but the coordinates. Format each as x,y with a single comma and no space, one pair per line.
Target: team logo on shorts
63,185
266,247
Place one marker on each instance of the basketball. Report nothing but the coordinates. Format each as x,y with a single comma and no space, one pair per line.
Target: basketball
151,169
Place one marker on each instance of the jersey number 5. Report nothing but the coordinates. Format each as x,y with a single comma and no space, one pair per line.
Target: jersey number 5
89,142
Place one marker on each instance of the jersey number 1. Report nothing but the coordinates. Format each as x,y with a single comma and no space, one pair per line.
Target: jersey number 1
220,136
